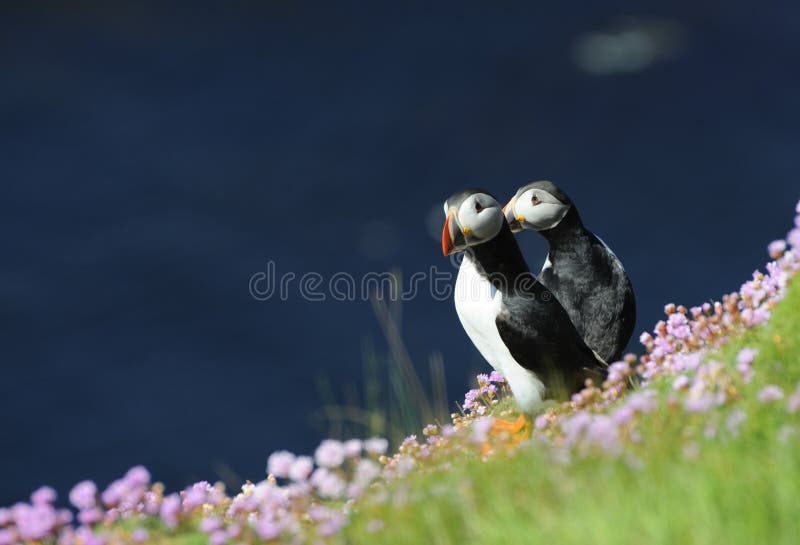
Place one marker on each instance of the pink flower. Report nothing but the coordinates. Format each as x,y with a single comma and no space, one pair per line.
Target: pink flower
681,382
170,510
140,535
495,376
770,393
793,403
677,325
604,434
210,524
330,453
43,496
137,476
735,420
301,468
622,415
327,483
279,463
746,356
7,537
218,538
642,402
376,445
481,427
268,530
776,248
699,404
34,522
352,448
793,238
83,495
90,516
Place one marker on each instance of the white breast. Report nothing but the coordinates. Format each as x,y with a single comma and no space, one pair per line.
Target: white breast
477,304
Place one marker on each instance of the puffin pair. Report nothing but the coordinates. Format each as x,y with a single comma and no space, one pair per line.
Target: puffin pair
553,332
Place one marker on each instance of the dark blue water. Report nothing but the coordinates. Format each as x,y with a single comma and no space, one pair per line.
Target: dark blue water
152,160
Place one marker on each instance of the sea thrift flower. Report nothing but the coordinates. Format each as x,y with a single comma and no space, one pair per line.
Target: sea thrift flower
352,448
268,530
480,428
735,420
642,402
137,476
623,415
699,404
218,538
34,522
770,393
678,326
604,434
330,453
495,376
681,382
794,238
43,496
776,248
83,495
746,356
170,510
279,463
195,496
376,445
793,403
430,429
90,516
7,537
366,471
301,468
328,483
140,535
210,524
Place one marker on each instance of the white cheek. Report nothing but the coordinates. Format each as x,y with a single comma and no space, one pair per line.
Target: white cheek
488,224
544,215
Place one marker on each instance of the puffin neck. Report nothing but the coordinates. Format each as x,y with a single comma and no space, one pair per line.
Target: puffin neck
569,233
500,260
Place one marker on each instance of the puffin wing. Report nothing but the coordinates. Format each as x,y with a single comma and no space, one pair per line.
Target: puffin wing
544,341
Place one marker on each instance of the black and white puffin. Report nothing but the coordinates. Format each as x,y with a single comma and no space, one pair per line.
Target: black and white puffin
581,270
511,318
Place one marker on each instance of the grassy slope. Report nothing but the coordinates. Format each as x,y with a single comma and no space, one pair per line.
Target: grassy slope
737,489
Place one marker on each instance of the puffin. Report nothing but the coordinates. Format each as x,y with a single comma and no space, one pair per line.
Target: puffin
582,272
512,319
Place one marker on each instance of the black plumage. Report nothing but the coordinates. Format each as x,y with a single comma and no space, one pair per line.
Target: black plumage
589,281
531,322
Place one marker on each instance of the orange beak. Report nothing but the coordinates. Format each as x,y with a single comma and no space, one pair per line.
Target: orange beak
447,239
453,237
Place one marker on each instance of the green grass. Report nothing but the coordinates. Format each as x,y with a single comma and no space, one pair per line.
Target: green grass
676,485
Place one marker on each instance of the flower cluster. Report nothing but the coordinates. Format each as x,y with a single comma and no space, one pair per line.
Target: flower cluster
308,499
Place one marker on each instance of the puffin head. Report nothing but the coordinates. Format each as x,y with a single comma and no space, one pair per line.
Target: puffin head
473,217
539,206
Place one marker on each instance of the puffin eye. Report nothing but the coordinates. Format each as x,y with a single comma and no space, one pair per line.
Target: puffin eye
535,200
478,206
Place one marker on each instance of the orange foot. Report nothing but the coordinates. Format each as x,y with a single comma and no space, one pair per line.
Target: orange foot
519,430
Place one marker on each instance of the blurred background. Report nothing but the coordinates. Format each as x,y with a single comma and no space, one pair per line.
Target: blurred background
154,158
